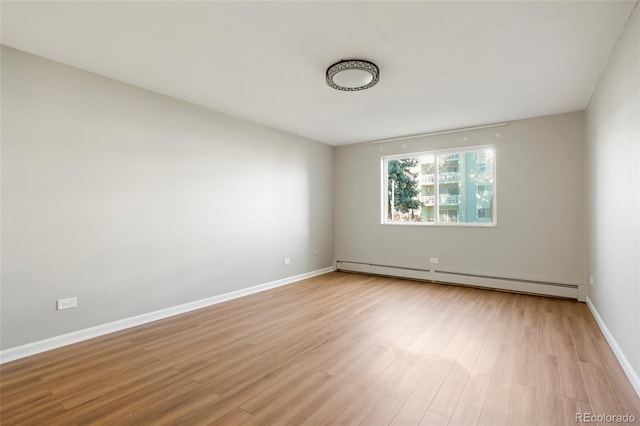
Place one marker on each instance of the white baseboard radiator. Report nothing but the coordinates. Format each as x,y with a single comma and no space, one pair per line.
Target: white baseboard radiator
545,288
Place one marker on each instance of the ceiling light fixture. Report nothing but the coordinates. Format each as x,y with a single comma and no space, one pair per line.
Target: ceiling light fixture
352,74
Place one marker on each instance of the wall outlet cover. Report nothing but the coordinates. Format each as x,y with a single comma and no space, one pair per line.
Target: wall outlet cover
71,302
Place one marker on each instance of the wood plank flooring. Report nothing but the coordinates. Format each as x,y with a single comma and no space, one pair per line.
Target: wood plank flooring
335,349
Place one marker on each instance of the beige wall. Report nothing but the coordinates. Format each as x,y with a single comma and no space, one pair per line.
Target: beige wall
133,201
540,205
613,174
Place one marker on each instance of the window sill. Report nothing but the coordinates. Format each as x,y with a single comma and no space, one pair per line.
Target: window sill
440,225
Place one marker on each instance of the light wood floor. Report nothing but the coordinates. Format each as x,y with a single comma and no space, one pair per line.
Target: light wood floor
336,349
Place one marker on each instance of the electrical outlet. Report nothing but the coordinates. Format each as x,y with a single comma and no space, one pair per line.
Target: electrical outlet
71,302
434,260
287,260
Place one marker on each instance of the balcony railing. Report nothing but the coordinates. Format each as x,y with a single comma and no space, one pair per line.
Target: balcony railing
449,177
449,199
445,199
427,179
428,200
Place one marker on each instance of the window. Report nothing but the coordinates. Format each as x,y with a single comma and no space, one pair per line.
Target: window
445,187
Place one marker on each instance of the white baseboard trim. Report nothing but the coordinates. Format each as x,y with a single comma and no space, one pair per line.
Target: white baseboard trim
617,350
44,345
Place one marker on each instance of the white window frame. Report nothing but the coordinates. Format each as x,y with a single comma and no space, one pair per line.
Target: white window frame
461,150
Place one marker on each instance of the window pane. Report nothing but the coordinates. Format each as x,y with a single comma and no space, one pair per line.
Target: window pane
465,186
404,199
478,183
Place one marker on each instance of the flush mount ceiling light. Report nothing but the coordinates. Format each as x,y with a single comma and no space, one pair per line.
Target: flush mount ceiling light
352,74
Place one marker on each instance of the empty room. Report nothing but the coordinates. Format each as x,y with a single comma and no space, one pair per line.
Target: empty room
319,212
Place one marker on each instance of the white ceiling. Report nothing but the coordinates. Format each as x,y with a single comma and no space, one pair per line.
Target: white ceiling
442,64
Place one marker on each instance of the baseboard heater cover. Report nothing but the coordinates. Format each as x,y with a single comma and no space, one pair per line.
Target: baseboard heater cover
392,271
546,288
